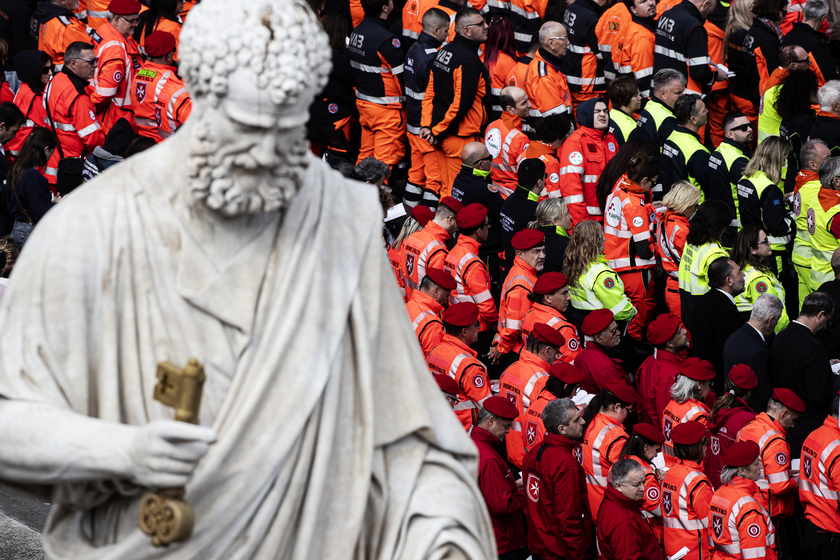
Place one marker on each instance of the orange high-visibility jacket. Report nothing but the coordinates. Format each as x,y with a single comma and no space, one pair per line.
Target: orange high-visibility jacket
546,86
157,97
506,143
97,13
457,360
515,303
583,157
517,384
611,31
424,313
473,280
686,494
394,259
637,54
739,526
423,249
119,59
548,155
55,35
819,476
78,129
627,220
679,413
31,104
602,444
540,313
533,429
776,487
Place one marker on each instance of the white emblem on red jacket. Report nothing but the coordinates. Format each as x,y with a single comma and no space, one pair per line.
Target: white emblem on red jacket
533,487
531,432
717,524
667,502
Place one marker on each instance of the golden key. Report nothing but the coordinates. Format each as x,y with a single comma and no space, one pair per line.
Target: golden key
164,515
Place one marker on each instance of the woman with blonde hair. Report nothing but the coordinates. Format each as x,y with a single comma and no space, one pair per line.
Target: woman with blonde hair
554,220
761,201
681,203
593,284
740,85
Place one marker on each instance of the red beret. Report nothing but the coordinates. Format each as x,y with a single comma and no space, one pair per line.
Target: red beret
452,203
740,454
160,43
441,278
567,373
527,239
471,216
124,7
501,407
688,433
549,283
548,335
422,214
649,432
446,384
697,369
662,329
622,391
461,314
596,322
743,377
789,399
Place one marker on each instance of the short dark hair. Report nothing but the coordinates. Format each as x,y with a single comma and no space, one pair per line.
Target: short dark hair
453,330
731,116
506,100
769,9
621,91
10,115
685,108
787,55
718,271
550,128
465,13
75,49
530,171
373,8
816,302
434,17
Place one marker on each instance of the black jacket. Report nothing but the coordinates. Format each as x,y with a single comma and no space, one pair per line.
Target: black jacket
681,30
417,62
555,248
469,188
14,29
647,130
714,320
800,363
830,336
581,19
827,129
33,195
759,38
811,40
517,211
795,130
745,346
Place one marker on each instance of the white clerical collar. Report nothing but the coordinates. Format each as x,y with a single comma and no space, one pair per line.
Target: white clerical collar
803,324
727,294
756,330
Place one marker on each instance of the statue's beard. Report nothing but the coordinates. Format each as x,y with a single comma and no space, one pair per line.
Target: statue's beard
212,179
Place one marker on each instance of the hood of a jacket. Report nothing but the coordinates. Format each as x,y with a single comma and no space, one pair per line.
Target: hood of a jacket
47,11
586,112
119,137
28,68
724,414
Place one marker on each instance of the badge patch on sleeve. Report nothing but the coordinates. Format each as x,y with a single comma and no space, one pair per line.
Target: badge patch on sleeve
609,283
396,43
118,76
761,287
575,158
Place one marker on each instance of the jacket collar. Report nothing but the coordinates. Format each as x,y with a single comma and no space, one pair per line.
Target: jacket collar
436,231
511,121
427,40
471,244
685,130
614,495
767,420
559,440
647,23
425,300
549,58
654,99
592,6
805,176
662,355
455,341
383,23
692,465
482,435
473,45
745,484
79,83
524,266
740,147
630,186
692,9
533,360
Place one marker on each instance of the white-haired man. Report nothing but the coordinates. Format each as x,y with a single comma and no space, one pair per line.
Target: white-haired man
208,246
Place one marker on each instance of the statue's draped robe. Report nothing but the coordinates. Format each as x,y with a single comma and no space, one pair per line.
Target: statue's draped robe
333,440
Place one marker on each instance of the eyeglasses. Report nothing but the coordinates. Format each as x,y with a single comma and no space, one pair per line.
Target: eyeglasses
614,330
488,158
561,38
808,60
742,128
131,20
91,61
765,241
46,70
481,23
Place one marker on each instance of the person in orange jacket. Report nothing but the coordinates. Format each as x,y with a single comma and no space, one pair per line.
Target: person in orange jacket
454,357
776,487
563,382
605,436
97,13
162,15
639,42
686,493
583,158
529,246
516,76
629,244
34,68
160,100
426,305
550,133
545,84
426,249
518,382
681,203
611,31
57,28
504,137
643,445
118,60
740,528
551,299
688,395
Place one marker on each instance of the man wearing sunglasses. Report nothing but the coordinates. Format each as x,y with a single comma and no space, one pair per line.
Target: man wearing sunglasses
119,59
726,166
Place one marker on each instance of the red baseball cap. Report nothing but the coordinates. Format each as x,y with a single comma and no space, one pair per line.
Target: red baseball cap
160,43
422,214
649,432
548,335
697,369
596,322
124,7
441,278
461,314
789,399
567,373
446,384
549,283
662,329
622,391
452,203
688,433
471,216
501,407
740,454
743,377
527,239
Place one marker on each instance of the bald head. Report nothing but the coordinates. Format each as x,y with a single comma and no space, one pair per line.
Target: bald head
473,152
553,38
514,100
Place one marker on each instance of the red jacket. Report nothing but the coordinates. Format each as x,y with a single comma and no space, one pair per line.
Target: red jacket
723,432
559,523
653,380
498,486
623,534
598,369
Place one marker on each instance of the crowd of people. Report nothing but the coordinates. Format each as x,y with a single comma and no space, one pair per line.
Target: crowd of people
614,226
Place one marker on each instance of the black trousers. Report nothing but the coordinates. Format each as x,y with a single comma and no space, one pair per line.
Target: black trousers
520,553
820,544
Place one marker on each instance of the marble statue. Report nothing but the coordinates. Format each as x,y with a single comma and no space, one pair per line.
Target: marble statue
321,434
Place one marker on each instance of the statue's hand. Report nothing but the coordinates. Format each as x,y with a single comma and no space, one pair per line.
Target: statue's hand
164,454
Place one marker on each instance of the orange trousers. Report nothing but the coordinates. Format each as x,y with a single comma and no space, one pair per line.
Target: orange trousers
640,293
718,105
424,172
672,297
448,153
383,132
